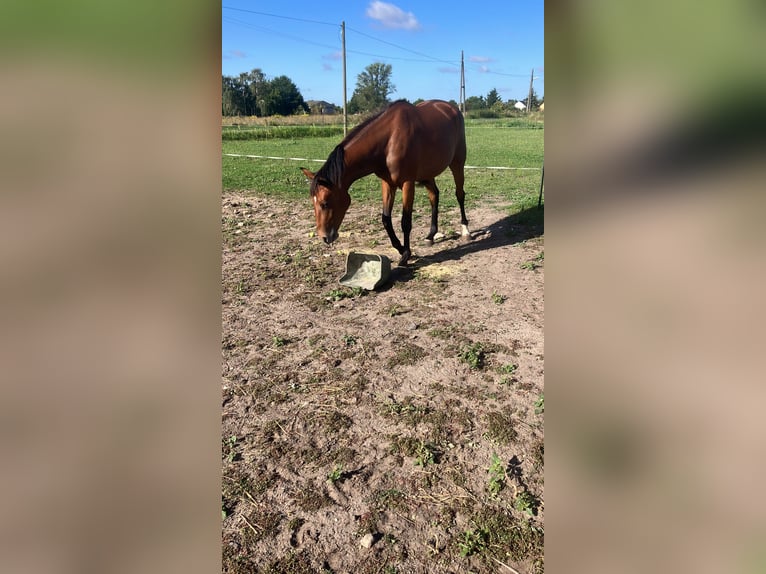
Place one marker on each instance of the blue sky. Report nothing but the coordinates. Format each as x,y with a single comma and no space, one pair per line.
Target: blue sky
502,43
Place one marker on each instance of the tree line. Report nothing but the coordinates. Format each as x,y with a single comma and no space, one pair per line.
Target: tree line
252,94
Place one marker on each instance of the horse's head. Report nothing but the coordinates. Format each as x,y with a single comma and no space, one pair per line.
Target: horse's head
330,205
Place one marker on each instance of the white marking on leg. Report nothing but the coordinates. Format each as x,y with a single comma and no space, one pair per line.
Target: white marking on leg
464,230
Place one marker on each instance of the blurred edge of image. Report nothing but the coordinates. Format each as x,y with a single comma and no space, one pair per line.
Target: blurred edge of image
111,276
654,314
110,218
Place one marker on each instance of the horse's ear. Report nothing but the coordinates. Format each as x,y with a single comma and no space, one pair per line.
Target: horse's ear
307,173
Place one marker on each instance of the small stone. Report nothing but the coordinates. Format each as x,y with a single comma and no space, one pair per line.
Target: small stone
367,541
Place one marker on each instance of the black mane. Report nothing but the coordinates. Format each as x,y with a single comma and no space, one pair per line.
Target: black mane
332,169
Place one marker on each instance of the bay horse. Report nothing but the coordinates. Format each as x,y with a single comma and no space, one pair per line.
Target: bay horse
403,145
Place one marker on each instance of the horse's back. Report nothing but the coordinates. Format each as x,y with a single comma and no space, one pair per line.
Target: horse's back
432,136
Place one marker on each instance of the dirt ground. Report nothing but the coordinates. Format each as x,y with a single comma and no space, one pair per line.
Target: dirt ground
399,430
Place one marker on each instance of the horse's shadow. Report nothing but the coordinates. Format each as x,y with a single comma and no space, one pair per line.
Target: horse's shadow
526,224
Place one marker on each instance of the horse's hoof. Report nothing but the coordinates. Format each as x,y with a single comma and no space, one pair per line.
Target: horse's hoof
428,242
404,259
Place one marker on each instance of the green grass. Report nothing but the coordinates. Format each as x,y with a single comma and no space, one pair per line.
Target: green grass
502,142
237,133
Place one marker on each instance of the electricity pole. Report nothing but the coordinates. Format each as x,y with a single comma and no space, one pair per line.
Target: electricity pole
529,98
345,106
462,83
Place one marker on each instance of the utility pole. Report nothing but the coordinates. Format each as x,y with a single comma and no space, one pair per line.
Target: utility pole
529,98
345,105
462,83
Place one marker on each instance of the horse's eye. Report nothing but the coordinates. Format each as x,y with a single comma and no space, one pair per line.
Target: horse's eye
323,205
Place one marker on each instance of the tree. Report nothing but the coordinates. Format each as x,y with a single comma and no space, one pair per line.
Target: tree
373,86
475,103
282,97
492,98
257,87
231,97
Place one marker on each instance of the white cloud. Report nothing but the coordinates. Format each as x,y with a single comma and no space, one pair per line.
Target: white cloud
327,67
231,54
483,69
480,59
445,70
391,16
334,56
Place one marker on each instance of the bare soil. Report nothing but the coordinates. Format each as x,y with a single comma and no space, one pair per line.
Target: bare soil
349,413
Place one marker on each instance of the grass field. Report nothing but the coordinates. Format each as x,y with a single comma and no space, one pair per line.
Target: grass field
505,142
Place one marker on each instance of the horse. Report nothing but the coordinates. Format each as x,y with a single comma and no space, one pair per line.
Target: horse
402,145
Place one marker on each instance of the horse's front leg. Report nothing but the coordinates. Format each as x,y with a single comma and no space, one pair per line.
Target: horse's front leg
408,198
389,193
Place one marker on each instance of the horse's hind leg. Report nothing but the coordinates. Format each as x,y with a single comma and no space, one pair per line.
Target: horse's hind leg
408,199
433,197
458,174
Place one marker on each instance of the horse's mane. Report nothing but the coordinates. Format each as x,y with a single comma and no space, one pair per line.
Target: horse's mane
332,169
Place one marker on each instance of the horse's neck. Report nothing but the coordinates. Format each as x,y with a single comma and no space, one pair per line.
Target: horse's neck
363,155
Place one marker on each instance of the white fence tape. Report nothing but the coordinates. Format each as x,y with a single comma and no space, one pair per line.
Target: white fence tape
322,161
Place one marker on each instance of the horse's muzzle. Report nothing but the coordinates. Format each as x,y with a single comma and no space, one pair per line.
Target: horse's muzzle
331,236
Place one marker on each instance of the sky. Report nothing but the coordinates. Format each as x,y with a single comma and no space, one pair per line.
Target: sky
502,42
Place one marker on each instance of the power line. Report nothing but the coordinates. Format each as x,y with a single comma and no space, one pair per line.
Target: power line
361,53
277,33
388,57
283,17
430,58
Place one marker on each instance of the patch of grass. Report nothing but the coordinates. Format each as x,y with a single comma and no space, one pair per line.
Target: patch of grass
261,523
405,445
394,310
278,341
500,428
507,536
240,133
426,454
540,404
526,502
498,299
349,340
473,355
407,410
292,563
391,499
533,264
496,475
334,421
538,454
446,333
312,498
335,474
229,445
406,354
343,293
508,369
473,541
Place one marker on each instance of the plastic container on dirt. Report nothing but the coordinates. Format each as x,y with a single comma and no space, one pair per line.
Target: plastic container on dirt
366,270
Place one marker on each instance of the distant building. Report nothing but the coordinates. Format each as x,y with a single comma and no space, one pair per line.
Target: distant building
321,108
520,106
